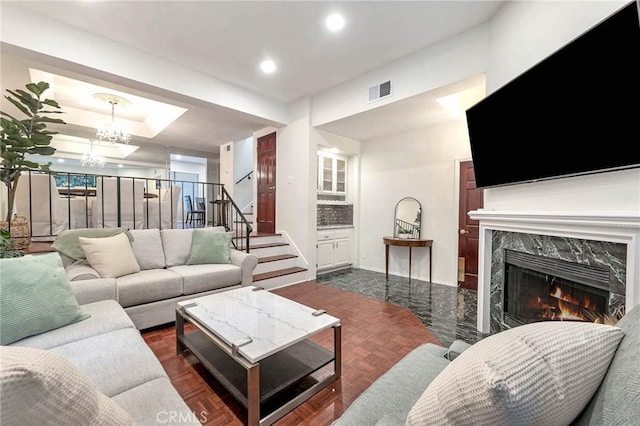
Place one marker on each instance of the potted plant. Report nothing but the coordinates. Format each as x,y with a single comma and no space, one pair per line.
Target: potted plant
5,247
29,135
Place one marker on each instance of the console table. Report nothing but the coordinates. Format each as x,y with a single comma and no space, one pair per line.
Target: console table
405,242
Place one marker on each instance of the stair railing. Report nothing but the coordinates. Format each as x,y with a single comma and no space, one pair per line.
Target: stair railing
231,217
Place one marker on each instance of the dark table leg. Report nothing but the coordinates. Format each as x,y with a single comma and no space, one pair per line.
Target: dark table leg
386,260
430,265
409,263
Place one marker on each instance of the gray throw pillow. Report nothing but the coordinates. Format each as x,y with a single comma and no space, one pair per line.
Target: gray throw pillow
542,373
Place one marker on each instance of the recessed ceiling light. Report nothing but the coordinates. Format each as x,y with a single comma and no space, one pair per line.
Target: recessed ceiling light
60,160
268,66
335,22
120,166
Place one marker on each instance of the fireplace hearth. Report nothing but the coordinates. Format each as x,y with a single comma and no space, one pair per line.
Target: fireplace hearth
538,288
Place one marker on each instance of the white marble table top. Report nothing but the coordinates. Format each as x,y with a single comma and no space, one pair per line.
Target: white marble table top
271,321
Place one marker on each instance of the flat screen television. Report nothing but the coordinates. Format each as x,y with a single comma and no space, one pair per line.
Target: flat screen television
576,112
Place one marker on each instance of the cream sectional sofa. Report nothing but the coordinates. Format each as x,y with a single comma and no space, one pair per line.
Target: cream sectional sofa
65,363
109,351
149,297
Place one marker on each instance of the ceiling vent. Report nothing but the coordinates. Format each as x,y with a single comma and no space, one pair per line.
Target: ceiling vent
380,91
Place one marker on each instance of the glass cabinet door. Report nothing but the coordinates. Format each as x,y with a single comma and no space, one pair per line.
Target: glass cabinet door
327,174
332,174
341,175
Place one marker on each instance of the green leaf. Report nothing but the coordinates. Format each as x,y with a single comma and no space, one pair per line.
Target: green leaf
19,106
10,156
45,150
50,120
52,103
29,164
38,88
41,139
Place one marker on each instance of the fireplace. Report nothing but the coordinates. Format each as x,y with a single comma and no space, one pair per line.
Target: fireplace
539,288
605,240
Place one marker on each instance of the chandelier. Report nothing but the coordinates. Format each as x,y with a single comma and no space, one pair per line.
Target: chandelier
111,132
92,158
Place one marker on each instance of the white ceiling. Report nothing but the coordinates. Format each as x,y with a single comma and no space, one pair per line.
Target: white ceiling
228,39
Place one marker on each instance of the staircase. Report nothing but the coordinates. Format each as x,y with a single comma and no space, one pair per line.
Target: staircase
278,264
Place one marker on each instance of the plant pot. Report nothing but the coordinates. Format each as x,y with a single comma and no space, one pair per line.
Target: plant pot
20,237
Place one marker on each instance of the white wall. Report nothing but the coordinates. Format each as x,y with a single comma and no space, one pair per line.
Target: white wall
226,167
188,167
296,182
243,164
522,34
421,164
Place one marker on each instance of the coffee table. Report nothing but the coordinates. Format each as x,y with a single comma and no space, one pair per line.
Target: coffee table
256,344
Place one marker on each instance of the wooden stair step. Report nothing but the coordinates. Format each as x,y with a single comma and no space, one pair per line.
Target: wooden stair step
259,246
278,273
276,258
258,235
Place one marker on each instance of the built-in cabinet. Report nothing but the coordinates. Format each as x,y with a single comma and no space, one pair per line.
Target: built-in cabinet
334,248
332,174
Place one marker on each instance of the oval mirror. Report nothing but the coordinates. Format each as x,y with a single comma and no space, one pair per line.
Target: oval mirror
407,218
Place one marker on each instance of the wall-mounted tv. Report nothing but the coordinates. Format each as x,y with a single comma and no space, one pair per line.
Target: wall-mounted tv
575,112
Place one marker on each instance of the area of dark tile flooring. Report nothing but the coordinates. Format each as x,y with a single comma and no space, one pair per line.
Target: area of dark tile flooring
448,312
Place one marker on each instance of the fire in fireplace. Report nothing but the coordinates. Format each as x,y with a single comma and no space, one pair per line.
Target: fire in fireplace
539,288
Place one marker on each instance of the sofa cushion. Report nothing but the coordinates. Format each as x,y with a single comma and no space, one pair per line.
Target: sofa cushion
209,247
115,361
40,387
36,297
148,286
617,399
81,271
147,248
197,278
111,257
539,373
157,402
106,316
67,241
177,244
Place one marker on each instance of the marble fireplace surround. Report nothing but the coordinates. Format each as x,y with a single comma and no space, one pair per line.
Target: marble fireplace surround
613,227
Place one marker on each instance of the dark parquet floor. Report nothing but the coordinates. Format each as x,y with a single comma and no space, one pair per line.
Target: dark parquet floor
375,335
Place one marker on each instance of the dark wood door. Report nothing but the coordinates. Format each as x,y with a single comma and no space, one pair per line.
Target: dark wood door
471,199
267,184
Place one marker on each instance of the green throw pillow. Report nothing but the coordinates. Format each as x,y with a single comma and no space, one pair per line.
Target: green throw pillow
35,296
209,247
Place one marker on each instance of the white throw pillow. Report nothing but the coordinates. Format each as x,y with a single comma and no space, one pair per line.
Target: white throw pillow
111,257
39,387
542,373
